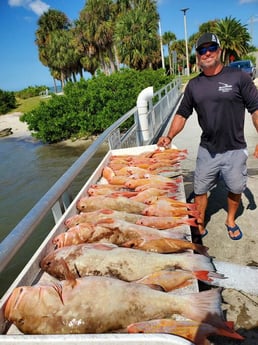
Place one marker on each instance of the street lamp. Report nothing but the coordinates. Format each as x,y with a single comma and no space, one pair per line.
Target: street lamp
186,41
161,47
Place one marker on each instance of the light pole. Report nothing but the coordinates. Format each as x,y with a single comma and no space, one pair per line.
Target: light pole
186,41
161,47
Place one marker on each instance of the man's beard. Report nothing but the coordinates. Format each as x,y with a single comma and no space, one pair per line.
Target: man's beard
204,65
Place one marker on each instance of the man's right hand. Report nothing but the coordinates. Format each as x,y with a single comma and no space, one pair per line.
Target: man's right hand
164,141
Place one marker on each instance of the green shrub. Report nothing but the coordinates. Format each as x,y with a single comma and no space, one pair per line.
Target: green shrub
7,101
32,91
90,106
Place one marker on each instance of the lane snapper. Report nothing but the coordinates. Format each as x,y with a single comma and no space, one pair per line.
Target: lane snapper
127,264
160,223
103,304
196,332
95,216
126,234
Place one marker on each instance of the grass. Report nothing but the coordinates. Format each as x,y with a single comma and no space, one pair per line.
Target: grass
25,105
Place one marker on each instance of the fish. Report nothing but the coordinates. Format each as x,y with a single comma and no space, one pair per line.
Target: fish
118,232
165,209
157,180
169,280
196,332
127,264
132,171
93,203
162,223
166,245
112,178
95,216
112,193
155,199
142,196
169,151
103,304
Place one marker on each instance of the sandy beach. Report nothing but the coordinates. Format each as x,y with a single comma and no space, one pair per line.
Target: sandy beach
19,129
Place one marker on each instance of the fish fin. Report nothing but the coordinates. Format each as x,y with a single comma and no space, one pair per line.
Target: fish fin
68,274
106,211
203,276
58,288
104,246
163,279
105,220
205,307
230,332
207,276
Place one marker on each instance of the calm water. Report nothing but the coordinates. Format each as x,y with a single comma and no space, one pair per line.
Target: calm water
27,171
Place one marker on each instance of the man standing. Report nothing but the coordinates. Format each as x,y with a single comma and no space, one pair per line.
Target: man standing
220,95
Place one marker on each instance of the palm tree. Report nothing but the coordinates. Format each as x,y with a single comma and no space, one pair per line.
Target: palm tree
136,35
63,56
49,22
179,47
96,29
234,38
168,37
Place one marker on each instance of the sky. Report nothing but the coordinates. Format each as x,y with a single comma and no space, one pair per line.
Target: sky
19,63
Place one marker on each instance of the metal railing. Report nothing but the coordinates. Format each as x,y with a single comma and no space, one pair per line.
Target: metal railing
165,100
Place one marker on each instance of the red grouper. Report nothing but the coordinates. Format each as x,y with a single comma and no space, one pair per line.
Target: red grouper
103,259
103,304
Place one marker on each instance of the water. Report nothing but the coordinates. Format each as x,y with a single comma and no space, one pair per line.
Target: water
27,170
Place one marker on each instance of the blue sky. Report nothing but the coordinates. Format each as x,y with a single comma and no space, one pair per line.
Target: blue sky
19,63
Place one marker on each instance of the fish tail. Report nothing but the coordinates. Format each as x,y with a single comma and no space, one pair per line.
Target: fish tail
230,331
201,249
205,307
191,222
203,276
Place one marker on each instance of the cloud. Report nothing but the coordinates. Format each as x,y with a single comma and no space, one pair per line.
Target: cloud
36,6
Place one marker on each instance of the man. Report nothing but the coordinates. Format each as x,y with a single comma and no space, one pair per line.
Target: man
219,94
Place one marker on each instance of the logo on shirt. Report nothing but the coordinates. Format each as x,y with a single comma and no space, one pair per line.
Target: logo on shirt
223,87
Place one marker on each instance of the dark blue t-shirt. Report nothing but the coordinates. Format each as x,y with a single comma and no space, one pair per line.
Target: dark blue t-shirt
220,103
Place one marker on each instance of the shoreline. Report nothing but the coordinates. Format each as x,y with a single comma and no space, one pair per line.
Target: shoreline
20,131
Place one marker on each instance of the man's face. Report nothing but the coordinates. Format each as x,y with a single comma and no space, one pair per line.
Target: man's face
208,55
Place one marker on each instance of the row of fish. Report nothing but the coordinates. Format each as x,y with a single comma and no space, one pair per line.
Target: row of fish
116,267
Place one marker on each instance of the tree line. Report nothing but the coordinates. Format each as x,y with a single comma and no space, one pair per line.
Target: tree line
110,34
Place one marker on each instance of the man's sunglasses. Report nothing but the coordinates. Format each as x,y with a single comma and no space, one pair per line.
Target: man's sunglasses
204,50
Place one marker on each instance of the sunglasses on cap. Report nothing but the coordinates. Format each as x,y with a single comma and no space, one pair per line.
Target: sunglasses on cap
213,48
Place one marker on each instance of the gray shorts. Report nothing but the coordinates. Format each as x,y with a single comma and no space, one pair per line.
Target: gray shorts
230,166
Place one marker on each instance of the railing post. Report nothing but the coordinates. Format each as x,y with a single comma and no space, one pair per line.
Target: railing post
142,105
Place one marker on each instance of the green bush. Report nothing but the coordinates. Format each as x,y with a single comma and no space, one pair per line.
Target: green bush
32,91
90,106
7,101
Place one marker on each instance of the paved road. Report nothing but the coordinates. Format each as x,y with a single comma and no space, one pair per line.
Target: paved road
239,306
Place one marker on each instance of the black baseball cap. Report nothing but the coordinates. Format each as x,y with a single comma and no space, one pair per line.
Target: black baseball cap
208,37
